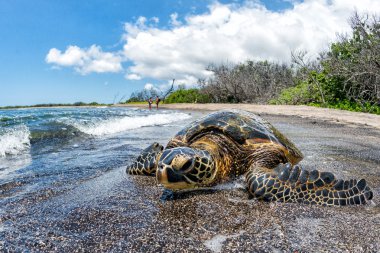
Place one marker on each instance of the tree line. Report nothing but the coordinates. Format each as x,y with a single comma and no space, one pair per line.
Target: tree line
54,105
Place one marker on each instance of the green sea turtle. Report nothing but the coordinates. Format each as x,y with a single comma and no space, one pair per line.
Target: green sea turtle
226,144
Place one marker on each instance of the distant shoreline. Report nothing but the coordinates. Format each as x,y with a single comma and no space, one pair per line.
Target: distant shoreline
327,114
51,106
318,113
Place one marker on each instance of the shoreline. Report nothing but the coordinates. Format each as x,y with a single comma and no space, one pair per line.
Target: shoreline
318,113
303,111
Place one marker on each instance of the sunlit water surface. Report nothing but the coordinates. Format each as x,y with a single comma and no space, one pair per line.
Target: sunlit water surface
46,152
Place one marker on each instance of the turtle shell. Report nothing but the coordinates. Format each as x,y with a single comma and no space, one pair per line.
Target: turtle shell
242,126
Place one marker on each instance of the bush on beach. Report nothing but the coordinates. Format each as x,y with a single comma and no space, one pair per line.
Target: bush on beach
188,96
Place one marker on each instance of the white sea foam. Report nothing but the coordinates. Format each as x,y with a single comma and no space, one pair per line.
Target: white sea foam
116,125
10,164
14,141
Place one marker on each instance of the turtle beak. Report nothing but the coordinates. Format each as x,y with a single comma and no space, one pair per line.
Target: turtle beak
170,179
161,175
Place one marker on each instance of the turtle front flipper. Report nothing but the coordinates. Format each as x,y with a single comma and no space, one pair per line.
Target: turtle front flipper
146,162
287,183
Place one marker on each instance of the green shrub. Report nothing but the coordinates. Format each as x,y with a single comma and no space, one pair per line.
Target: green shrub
134,100
79,104
303,93
188,96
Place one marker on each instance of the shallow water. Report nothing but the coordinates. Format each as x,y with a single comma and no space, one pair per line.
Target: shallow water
72,194
53,161
43,146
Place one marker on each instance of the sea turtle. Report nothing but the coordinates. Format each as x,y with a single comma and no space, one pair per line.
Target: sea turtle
229,143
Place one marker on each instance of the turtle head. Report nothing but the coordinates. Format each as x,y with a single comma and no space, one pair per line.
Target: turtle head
185,168
146,162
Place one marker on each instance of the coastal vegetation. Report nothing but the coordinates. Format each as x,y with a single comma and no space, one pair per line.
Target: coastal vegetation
346,76
54,105
188,96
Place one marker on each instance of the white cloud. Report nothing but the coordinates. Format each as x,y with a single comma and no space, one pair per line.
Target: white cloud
236,33
133,77
85,61
72,56
173,19
226,32
141,21
149,86
155,20
159,87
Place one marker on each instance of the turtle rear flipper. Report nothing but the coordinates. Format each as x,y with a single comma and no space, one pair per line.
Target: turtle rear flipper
146,162
287,183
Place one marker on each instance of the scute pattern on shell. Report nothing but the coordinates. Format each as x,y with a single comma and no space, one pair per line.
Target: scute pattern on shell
243,127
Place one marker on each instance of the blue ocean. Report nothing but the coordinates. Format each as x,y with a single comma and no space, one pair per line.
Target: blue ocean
54,161
41,147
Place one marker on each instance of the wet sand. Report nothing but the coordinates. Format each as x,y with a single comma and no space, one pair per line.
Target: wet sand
120,213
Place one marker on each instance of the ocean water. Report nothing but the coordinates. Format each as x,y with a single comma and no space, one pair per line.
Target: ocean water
58,148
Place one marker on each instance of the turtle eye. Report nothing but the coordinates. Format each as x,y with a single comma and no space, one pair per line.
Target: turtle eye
187,165
182,162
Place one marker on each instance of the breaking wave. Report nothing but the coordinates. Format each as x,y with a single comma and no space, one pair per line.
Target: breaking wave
116,125
14,141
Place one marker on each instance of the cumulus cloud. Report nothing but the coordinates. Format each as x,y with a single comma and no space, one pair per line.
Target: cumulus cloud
132,77
159,88
155,20
226,32
236,33
174,19
85,61
149,86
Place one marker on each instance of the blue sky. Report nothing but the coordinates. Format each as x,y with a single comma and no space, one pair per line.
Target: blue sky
129,46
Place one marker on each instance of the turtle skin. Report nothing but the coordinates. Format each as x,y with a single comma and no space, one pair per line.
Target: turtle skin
230,143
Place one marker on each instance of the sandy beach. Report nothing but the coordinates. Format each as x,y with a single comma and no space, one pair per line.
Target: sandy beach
110,211
334,115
